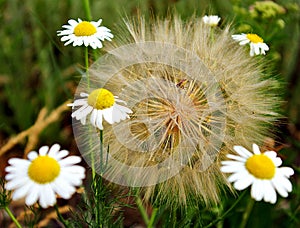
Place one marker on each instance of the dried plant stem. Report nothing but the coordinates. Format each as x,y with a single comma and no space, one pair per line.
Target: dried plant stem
33,132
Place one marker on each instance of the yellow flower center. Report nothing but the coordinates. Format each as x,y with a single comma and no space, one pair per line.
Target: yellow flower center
84,28
254,38
101,99
261,166
43,169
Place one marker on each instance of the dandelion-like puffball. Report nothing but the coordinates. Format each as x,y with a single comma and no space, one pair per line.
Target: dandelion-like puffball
193,97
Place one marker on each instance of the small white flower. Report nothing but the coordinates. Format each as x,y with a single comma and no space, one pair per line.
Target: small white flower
101,103
261,170
87,33
257,45
42,176
211,20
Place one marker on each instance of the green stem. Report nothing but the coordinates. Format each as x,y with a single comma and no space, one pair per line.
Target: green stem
142,210
13,218
87,9
247,213
101,151
60,217
152,219
227,212
86,60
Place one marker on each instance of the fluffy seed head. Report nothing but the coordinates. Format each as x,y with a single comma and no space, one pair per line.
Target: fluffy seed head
193,97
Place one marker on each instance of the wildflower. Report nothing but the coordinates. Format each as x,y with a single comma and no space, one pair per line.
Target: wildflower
261,170
190,97
266,10
257,45
43,175
211,20
101,103
87,33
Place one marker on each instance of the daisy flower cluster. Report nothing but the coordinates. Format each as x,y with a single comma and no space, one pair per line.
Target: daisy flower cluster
100,103
261,171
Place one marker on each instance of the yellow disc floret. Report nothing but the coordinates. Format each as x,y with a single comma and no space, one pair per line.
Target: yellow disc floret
254,38
43,169
85,28
101,99
261,166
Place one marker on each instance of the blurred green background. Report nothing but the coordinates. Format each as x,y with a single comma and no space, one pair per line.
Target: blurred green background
37,71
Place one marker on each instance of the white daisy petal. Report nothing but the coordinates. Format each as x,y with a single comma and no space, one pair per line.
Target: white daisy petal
242,151
61,154
94,117
54,150
18,182
71,160
237,176
231,169
43,150
280,187
286,171
108,115
123,109
33,196
32,155
241,184
235,157
257,190
243,42
271,154
270,194
46,196
63,190
99,120
256,149
15,161
21,192
233,163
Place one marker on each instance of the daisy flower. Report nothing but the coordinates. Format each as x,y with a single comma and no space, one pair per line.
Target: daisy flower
101,103
257,45
87,33
44,175
261,170
211,20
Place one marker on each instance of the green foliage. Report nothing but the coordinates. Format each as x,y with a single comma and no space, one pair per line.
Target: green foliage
4,195
38,71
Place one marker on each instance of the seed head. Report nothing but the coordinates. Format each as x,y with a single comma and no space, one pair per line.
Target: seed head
193,98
